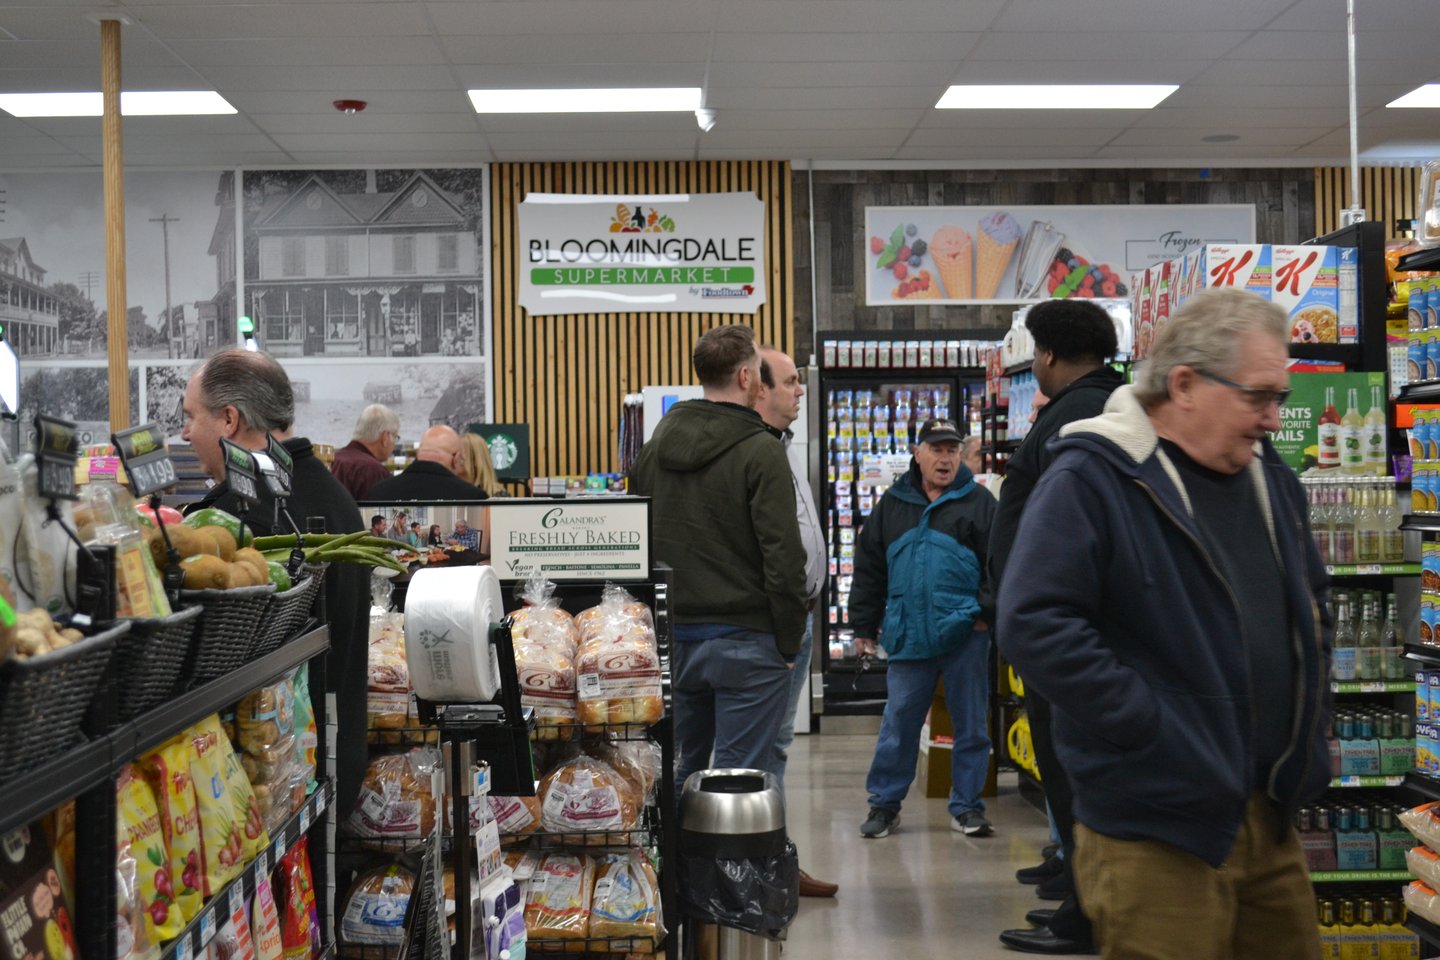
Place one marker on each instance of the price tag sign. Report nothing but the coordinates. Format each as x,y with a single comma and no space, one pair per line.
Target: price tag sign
304,819
262,864
182,949
320,802
207,927
55,449
1369,569
146,458
237,899
284,464
240,472
279,849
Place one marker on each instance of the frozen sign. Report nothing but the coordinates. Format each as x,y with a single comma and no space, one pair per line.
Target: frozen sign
607,254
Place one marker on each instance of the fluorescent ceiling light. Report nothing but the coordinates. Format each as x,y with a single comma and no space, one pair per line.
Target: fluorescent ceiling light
1427,95
1071,96
588,100
133,103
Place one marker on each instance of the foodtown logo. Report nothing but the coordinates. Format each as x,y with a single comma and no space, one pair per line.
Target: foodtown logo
724,293
638,221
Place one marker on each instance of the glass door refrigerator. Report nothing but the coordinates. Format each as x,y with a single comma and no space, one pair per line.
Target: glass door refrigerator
873,395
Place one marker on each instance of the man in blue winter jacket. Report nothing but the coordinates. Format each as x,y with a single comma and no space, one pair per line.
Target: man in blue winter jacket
1165,596
919,574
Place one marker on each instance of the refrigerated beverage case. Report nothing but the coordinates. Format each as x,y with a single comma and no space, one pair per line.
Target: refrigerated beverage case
1374,435
1329,429
1344,665
1329,932
1320,527
1352,430
1392,538
1342,525
1367,643
1367,527
1392,646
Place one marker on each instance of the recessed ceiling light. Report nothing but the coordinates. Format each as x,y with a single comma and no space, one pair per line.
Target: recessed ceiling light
1220,138
133,103
588,100
1427,95
1074,96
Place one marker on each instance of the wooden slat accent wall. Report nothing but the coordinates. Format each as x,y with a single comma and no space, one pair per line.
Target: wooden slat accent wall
567,375
1387,194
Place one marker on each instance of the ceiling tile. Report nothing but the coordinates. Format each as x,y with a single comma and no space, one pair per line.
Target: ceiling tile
363,144
366,123
1138,15
296,18
1327,15
983,152
1079,71
595,18
1253,73
1026,137
998,120
45,54
1191,140
1111,46
600,143
338,80
823,119
381,101
1221,118
902,47
548,48
820,98
543,75
1275,96
935,73
309,51
59,76
584,124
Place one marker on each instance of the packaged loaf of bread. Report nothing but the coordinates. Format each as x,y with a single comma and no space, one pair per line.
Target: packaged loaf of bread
516,817
588,800
547,684
557,899
616,611
395,798
373,914
390,704
638,761
626,901
542,620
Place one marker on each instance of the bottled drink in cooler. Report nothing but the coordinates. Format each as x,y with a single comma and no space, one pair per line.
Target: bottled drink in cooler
1367,643
1342,542
1320,527
1329,433
1344,665
1367,526
1352,429
1374,435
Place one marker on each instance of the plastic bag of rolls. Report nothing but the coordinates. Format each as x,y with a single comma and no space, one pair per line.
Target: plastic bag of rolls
617,667
589,801
265,736
557,897
395,797
626,901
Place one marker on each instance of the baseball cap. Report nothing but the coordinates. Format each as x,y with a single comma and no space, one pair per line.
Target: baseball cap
938,431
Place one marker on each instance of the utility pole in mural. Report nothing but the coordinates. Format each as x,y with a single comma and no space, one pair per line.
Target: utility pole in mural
165,220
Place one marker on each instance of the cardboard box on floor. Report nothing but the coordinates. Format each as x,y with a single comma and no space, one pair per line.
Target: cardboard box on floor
937,738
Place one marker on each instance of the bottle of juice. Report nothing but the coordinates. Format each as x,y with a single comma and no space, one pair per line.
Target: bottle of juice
1329,932
1352,441
1345,664
1374,436
1329,432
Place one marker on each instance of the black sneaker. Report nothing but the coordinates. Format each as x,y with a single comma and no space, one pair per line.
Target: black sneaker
1040,872
879,823
972,823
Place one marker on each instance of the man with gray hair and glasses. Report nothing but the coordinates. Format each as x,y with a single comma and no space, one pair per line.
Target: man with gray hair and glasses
1165,596
360,464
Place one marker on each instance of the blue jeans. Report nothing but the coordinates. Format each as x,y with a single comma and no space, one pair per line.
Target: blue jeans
797,685
729,690
910,686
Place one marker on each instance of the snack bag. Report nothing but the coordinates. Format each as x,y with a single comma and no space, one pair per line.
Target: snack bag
232,941
265,728
297,931
132,940
626,902
222,842
265,923
557,902
137,822
306,735
167,769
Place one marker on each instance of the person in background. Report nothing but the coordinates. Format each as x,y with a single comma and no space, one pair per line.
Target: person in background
779,405
1074,339
1178,626
245,396
920,588
724,520
970,454
415,539
432,477
399,527
436,538
360,464
378,526
465,535
476,466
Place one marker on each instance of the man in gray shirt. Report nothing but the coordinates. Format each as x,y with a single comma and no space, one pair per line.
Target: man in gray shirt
779,405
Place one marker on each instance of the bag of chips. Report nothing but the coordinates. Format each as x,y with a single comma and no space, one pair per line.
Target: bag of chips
167,769
137,818
265,923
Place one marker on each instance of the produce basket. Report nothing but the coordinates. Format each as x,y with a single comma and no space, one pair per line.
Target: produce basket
288,612
43,700
144,669
229,622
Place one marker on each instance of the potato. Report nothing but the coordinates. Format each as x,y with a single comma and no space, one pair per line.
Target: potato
31,642
204,571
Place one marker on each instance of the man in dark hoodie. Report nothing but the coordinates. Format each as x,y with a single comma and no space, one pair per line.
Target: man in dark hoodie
724,520
1073,341
919,573
1165,595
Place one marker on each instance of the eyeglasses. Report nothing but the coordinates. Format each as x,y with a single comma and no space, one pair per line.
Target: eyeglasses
1258,397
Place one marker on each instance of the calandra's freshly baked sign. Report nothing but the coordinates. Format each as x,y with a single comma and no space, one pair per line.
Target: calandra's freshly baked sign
583,253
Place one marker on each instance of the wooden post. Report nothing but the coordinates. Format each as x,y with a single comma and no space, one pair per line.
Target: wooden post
117,328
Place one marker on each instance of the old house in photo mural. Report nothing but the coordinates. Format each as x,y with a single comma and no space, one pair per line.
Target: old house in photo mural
391,274
30,312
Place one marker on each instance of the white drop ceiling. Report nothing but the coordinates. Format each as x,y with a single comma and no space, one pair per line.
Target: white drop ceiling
838,82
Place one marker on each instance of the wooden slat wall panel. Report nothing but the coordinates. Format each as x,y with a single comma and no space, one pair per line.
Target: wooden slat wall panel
567,375
1387,194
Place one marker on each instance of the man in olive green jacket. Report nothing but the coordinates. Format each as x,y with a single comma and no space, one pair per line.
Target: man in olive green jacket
724,519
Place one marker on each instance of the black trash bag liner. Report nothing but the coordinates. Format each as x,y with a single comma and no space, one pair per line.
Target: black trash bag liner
758,895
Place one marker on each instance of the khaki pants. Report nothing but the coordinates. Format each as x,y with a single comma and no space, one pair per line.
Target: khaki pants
1150,901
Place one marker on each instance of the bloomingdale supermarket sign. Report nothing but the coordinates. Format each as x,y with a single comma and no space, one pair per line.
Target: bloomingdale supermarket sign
626,253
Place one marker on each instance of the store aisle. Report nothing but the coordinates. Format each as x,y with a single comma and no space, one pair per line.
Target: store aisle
920,889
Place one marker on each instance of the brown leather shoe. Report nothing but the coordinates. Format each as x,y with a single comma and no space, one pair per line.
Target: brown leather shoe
810,887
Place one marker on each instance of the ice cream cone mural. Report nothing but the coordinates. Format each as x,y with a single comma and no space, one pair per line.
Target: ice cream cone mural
951,249
997,238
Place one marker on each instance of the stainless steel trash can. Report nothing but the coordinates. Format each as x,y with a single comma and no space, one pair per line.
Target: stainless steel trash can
733,815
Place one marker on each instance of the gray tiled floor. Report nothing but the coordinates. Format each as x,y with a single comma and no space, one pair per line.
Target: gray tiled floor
922,890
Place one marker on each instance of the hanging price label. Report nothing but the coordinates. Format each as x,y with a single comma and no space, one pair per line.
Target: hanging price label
207,927
262,864
305,819
182,949
284,465
240,472
237,899
55,449
146,458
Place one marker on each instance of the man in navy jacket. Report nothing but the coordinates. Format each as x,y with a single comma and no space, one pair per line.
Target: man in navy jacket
1164,594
